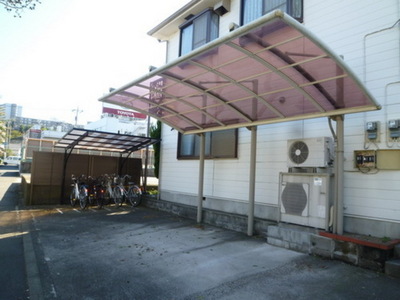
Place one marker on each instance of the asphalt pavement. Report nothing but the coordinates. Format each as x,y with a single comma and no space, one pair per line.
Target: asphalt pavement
140,253
13,283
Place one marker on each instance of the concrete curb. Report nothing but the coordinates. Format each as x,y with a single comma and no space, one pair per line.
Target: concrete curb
32,270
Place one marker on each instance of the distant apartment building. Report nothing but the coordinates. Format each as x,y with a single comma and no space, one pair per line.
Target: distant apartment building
36,139
10,111
53,125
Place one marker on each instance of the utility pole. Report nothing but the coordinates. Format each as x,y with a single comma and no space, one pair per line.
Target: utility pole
77,111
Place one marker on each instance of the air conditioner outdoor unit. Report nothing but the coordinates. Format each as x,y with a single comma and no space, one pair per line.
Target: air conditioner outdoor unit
312,152
305,199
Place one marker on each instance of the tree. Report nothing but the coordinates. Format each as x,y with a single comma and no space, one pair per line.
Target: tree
18,6
155,132
16,134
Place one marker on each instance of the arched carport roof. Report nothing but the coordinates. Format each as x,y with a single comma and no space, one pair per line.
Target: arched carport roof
268,71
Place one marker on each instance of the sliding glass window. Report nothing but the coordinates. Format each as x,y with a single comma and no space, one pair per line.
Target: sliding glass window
253,9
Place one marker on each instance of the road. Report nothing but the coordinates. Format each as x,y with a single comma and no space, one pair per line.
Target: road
125,253
12,263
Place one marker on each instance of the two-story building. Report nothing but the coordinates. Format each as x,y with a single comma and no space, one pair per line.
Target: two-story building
282,111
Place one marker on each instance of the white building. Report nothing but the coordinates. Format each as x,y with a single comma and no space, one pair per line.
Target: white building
364,34
10,111
120,121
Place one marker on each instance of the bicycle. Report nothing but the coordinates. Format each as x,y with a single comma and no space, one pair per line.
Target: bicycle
133,194
99,190
108,188
78,192
95,191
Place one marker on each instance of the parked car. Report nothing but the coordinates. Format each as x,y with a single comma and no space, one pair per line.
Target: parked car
12,160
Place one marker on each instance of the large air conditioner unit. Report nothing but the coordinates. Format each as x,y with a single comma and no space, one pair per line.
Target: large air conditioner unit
312,152
305,199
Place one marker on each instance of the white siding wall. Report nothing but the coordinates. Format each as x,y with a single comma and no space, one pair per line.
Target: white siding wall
360,31
173,47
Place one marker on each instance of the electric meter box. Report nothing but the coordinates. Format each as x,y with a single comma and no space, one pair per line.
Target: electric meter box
394,129
372,130
365,159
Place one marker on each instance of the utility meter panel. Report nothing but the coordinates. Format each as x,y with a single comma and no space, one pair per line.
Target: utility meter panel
365,159
372,131
394,129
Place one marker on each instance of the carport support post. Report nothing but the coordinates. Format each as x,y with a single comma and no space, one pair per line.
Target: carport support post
252,180
201,178
339,172
66,157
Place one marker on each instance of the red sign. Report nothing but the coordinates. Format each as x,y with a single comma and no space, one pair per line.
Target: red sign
35,133
125,113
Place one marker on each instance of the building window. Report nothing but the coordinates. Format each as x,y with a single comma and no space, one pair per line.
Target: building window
198,30
253,9
219,144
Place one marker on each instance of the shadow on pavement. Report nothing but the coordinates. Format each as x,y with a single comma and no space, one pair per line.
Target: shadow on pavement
9,171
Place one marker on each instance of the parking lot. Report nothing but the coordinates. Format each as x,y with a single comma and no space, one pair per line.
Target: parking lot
140,253
144,254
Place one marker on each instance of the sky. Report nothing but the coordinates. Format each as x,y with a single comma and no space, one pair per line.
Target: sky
64,55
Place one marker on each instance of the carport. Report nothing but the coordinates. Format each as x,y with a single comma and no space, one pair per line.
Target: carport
269,71
83,139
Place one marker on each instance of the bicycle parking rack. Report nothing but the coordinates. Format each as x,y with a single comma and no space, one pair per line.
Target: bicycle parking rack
83,139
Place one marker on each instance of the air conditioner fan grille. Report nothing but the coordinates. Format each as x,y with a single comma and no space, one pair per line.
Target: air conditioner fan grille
298,152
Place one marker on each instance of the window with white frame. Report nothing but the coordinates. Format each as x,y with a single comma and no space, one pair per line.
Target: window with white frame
218,144
198,30
253,9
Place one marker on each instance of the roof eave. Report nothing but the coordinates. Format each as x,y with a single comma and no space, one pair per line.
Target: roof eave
170,25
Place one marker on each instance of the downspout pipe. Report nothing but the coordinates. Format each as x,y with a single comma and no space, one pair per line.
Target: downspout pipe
252,180
201,179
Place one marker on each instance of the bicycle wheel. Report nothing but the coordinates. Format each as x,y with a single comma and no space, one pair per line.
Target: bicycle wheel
134,195
72,197
91,198
83,197
118,196
99,196
106,197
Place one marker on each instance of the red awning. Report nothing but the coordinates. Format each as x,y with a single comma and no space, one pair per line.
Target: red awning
271,70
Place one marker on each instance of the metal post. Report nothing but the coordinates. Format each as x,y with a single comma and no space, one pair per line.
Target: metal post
201,178
146,160
67,154
252,181
339,173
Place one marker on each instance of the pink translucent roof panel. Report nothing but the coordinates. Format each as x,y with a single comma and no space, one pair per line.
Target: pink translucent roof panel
271,70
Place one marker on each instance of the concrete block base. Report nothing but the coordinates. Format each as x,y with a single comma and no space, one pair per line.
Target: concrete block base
321,246
292,237
392,268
